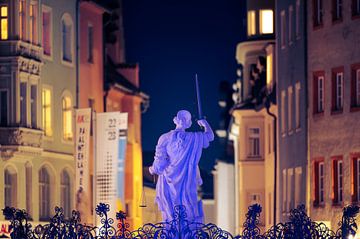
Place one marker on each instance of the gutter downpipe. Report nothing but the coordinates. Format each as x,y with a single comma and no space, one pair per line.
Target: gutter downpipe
77,54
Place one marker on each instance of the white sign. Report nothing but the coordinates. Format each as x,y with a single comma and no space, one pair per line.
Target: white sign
123,127
82,141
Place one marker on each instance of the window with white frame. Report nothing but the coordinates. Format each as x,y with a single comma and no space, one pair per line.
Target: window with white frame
297,19
46,112
67,38
254,142
47,30
33,105
44,194
283,29
290,108
4,107
251,23
23,103
266,21
340,180
10,188
318,92
4,22
22,19
318,13
283,107
65,193
321,174
291,16
297,105
67,118
33,22
339,81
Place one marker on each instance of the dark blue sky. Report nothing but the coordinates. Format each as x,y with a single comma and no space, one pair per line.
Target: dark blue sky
172,40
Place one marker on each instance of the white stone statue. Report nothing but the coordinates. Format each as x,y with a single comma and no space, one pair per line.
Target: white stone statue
176,162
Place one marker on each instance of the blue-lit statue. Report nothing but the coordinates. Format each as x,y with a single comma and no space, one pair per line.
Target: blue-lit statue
176,162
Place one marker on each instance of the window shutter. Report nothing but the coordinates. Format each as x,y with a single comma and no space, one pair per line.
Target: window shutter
316,183
315,94
354,181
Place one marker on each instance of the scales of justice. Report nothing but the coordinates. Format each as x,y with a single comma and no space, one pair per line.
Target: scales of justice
176,162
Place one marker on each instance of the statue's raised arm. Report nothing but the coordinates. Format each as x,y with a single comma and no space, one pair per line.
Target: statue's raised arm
176,161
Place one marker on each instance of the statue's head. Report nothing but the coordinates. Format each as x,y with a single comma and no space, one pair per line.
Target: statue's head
183,119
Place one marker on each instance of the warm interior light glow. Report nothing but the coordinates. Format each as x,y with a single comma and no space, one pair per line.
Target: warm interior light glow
46,112
269,68
67,119
4,22
266,21
251,23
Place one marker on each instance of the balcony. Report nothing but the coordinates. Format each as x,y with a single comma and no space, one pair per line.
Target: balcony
10,48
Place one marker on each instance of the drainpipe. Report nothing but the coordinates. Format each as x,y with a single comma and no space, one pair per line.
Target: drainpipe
275,159
77,53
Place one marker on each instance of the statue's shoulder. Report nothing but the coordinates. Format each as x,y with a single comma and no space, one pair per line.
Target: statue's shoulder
163,139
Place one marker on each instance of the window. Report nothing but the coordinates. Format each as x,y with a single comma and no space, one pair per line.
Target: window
251,23
284,187
90,44
33,22
269,67
290,188
283,107
318,13
67,118
266,21
319,178
337,88
297,20
336,10
28,172
297,105
355,7
3,107
22,19
291,16
290,108
254,142
23,103
4,23
337,181
356,179
10,188
44,194
283,29
318,92
47,30
67,38
298,186
46,112
355,85
65,193
33,105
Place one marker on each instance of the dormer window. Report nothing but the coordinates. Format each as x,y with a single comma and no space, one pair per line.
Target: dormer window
266,21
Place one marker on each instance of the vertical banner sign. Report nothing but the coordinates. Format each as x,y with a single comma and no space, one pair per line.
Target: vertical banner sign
123,127
106,161
82,141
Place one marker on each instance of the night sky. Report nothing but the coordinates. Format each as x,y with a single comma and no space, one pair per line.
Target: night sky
172,40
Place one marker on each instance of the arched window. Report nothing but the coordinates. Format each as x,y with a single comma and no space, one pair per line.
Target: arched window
65,193
67,38
44,194
67,118
10,188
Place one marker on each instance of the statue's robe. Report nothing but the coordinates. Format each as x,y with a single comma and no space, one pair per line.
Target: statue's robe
176,162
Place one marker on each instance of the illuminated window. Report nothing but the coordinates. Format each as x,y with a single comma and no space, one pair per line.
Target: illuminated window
336,10
297,105
67,118
318,92
10,188
46,112
47,30
254,142
33,22
337,88
4,22
65,193
23,103
337,180
22,19
290,107
318,13
44,194
251,23
283,107
355,85
283,29
266,21
33,105
3,107
67,38
291,16
269,68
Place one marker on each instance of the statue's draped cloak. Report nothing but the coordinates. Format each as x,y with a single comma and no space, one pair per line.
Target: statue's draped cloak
176,162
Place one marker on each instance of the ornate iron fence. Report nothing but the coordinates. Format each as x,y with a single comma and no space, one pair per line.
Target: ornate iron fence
300,226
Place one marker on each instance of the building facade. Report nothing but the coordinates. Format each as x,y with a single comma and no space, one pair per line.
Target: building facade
292,105
252,128
38,90
334,100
